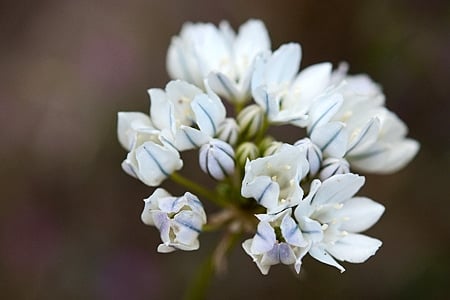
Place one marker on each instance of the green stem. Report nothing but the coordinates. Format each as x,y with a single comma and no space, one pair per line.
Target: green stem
199,286
195,187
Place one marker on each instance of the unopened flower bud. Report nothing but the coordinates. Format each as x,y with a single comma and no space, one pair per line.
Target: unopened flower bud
313,154
250,120
217,159
228,131
332,166
265,143
272,148
246,151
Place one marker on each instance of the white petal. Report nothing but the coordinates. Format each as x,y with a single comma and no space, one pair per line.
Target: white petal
365,137
264,238
130,166
263,190
269,102
359,213
151,204
223,85
283,65
156,163
209,111
271,257
304,208
286,254
163,248
161,110
251,40
181,94
323,109
322,256
181,62
312,81
187,226
187,138
291,232
162,222
355,248
246,245
127,125
312,230
386,159
337,189
331,138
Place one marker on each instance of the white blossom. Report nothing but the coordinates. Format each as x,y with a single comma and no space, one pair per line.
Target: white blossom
183,107
203,50
285,95
352,122
278,239
179,219
149,159
331,219
274,181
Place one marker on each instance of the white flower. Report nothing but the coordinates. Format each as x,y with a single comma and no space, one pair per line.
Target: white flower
352,122
179,219
274,181
202,49
180,108
150,158
285,95
389,151
330,218
277,240
217,159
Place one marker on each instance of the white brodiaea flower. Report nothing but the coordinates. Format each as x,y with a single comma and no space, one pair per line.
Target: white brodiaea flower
274,181
179,219
202,49
330,218
149,159
285,95
186,116
354,124
277,240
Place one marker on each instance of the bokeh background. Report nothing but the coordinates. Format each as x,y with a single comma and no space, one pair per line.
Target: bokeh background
70,218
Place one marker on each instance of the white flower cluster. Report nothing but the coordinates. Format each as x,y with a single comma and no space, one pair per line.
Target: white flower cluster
301,197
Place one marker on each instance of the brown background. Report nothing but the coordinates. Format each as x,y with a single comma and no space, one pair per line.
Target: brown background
69,217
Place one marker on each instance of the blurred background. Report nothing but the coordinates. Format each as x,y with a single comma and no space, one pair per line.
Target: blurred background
70,217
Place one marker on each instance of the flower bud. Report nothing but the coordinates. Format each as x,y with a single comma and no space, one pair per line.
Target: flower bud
246,151
272,148
332,166
217,159
250,120
313,155
228,131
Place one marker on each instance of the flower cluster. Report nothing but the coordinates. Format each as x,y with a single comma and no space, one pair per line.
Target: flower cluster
289,199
